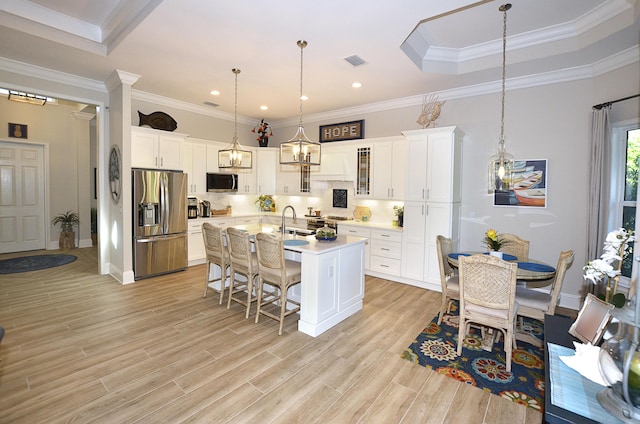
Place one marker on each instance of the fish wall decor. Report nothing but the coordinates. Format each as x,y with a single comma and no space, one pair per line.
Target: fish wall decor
158,121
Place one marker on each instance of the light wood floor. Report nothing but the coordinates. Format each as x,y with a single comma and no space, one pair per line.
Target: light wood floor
80,347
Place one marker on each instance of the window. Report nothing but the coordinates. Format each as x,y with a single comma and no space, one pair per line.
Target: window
625,158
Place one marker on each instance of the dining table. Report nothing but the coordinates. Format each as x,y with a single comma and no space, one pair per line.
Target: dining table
528,269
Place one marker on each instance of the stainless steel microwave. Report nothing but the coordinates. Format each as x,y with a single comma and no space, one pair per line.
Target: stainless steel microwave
217,182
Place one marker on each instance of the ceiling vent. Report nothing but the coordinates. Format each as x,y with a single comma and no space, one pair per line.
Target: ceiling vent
211,104
355,60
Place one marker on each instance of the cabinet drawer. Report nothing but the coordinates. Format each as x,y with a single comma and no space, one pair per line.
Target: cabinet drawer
354,231
385,265
395,236
387,249
222,222
195,226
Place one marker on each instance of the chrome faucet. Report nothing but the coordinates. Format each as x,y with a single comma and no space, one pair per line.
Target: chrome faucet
283,211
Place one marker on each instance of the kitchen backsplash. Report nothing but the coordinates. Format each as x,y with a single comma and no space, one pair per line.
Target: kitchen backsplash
381,210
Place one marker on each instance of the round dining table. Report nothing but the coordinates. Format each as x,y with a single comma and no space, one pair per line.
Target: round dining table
528,269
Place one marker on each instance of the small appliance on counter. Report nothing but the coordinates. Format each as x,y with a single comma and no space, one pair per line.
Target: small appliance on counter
205,208
192,207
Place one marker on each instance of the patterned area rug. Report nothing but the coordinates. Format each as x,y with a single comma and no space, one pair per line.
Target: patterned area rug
34,263
435,348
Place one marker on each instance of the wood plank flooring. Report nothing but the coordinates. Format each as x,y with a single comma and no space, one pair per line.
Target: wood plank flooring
80,347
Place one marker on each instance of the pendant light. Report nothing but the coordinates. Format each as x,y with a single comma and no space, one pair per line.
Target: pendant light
502,163
300,150
235,156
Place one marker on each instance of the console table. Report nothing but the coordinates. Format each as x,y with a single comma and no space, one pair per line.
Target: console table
556,331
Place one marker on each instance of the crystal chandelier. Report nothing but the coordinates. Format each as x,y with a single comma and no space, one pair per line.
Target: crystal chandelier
502,163
235,156
300,150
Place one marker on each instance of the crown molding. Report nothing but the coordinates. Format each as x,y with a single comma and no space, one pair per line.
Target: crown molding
613,62
35,71
189,107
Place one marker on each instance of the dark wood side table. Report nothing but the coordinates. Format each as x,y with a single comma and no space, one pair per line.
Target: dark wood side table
556,331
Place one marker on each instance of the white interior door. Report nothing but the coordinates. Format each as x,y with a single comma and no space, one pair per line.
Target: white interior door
22,200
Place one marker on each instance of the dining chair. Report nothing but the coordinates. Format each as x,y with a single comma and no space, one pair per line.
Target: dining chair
448,276
514,245
243,262
277,272
218,255
535,304
487,298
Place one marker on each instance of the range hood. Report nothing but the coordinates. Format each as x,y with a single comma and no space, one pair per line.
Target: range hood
334,167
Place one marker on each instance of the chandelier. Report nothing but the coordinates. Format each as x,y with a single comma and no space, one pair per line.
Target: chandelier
502,163
300,150
235,156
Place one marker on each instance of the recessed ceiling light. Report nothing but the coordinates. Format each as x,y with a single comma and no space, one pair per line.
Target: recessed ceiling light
356,85
264,107
303,97
215,92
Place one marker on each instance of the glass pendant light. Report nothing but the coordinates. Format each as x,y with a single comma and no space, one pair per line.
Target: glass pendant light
502,163
300,150
235,156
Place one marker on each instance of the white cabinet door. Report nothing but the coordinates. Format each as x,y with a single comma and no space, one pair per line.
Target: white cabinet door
169,151
187,165
433,164
289,180
359,231
382,172
144,150
195,242
199,168
389,170
416,165
413,240
156,149
266,161
442,219
194,158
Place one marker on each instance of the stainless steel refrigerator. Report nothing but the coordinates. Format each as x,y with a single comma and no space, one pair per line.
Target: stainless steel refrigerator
159,222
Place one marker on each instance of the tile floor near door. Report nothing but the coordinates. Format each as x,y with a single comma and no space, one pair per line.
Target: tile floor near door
80,347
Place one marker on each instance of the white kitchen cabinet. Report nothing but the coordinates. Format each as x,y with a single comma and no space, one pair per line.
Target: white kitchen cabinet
386,251
433,163
194,164
266,163
156,149
197,253
413,243
388,170
432,199
293,180
212,155
358,231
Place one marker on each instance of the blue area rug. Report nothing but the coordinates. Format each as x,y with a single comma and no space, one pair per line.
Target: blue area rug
435,348
34,263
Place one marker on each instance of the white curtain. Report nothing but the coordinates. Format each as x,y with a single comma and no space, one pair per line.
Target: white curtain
599,181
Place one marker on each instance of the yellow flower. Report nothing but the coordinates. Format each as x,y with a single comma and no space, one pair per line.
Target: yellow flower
492,234
492,240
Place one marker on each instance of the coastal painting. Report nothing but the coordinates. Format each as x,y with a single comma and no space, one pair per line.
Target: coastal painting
529,185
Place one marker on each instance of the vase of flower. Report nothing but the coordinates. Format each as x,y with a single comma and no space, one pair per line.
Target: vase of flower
263,129
496,253
494,243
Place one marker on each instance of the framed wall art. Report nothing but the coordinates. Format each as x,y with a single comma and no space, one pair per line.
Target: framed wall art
18,130
529,185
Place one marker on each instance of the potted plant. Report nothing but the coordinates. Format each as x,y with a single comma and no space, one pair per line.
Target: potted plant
399,211
67,236
94,226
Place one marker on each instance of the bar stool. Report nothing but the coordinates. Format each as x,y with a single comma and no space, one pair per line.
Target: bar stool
217,254
279,273
243,262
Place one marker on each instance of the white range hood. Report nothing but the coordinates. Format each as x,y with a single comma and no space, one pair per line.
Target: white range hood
334,166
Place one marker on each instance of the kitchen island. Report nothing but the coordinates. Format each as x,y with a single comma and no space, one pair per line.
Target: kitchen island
332,287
